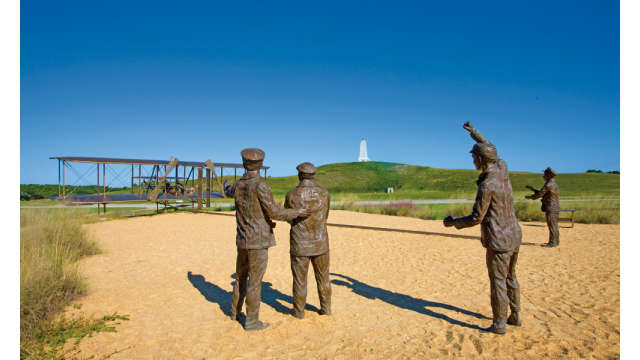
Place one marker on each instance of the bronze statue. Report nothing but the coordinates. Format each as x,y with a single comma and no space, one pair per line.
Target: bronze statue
255,209
500,233
550,205
309,240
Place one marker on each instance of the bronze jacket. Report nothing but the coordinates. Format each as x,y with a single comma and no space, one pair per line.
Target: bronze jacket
549,195
255,208
494,210
308,236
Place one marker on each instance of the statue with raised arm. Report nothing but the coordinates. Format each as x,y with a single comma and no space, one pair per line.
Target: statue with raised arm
550,205
255,210
500,232
309,240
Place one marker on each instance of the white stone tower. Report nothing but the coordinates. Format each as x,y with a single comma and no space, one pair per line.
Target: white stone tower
363,151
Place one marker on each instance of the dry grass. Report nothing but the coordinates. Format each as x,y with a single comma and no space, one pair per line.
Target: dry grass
50,244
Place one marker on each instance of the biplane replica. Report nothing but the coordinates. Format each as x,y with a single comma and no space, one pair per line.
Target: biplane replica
170,183
160,181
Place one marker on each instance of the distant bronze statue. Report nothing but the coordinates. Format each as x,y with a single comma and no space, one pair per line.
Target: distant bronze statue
550,205
500,233
309,240
255,209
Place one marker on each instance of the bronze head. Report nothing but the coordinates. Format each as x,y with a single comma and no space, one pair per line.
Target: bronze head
252,158
549,173
483,155
306,170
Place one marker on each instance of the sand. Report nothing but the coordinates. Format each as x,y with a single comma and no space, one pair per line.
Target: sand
395,295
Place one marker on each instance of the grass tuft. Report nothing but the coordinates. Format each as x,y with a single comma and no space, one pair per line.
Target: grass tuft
51,337
51,243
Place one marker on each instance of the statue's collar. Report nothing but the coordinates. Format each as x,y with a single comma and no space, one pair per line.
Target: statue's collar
307,182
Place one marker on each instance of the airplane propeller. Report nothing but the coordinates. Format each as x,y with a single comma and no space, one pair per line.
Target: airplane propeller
209,164
154,194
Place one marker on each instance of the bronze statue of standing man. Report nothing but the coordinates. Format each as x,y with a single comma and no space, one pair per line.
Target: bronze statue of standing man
500,232
255,210
309,240
550,205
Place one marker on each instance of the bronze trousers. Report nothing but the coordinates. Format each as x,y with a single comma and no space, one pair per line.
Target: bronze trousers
299,269
505,290
250,267
552,223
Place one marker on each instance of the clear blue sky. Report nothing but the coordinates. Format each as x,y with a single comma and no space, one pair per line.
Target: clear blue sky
200,80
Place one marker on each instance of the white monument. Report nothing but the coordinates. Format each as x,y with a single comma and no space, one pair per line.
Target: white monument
363,151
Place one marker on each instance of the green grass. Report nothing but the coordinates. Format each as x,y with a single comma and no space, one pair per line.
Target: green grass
426,212
369,180
51,243
45,191
590,212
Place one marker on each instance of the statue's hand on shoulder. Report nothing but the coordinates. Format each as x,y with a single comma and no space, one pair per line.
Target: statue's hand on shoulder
304,212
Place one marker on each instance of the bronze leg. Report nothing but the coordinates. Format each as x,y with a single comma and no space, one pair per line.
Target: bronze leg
552,223
240,286
513,287
321,271
497,265
299,270
257,266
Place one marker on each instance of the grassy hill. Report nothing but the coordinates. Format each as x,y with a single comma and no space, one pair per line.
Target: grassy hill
369,180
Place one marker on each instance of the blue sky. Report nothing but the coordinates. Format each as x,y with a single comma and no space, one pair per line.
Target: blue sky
204,80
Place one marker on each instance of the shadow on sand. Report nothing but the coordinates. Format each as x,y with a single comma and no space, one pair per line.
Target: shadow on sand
407,302
211,292
544,226
216,294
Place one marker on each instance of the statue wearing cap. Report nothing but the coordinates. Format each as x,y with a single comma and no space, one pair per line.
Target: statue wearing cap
255,210
309,240
550,205
500,233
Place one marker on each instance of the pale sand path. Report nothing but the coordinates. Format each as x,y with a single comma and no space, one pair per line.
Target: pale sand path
396,296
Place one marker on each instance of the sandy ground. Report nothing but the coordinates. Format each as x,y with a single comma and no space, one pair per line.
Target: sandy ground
395,295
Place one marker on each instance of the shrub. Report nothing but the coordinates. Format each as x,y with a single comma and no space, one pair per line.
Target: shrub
50,244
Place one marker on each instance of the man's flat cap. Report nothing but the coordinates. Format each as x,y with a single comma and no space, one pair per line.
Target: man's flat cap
487,151
306,168
550,171
252,154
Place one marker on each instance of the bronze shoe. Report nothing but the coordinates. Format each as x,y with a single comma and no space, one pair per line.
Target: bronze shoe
514,319
256,326
497,330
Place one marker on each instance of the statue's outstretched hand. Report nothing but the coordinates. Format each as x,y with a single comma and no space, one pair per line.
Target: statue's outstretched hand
467,126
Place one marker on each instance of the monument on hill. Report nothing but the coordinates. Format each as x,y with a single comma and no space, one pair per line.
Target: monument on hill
363,151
